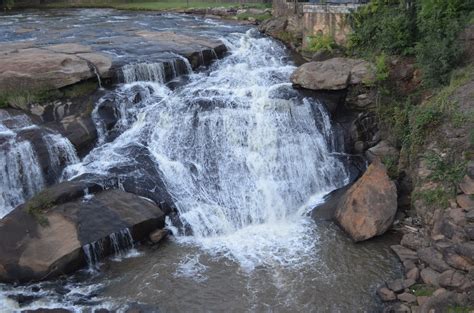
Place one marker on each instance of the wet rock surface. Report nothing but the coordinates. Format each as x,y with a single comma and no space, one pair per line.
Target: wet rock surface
44,237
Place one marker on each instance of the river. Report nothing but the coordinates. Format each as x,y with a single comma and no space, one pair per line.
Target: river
244,157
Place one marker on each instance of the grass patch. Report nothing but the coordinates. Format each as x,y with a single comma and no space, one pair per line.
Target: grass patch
446,169
421,290
22,100
37,205
438,196
391,163
320,42
459,309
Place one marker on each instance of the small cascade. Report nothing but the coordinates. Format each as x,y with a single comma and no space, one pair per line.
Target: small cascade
188,67
94,252
153,72
20,174
201,57
96,72
61,152
120,243
214,54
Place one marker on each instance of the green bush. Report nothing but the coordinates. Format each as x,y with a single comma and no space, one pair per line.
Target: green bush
383,26
427,29
320,43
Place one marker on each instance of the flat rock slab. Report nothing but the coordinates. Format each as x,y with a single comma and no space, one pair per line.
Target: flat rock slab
333,74
33,69
30,251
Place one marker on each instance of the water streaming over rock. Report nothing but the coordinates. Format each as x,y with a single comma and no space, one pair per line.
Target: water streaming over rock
21,172
243,155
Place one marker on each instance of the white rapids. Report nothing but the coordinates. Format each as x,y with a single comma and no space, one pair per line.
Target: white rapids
243,155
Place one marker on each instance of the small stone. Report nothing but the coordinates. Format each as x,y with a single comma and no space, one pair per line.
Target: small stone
158,235
407,283
404,254
438,237
413,274
452,279
407,297
469,230
470,216
422,299
467,185
455,260
465,201
386,294
429,276
433,258
396,285
409,265
458,216
413,241
439,291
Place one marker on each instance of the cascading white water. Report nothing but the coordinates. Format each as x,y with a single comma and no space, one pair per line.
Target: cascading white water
241,153
61,151
154,72
21,175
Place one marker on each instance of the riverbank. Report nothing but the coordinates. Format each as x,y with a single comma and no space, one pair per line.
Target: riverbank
418,116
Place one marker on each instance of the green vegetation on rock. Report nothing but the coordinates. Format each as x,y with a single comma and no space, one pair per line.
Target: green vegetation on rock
37,205
427,29
320,43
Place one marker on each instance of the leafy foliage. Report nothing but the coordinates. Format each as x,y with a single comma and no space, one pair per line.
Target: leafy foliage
320,42
427,29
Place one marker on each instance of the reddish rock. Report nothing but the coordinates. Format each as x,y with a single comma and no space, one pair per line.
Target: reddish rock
422,299
407,283
458,216
368,208
413,274
457,261
404,254
386,294
413,241
467,185
429,276
454,279
396,285
465,201
433,258
407,297
158,235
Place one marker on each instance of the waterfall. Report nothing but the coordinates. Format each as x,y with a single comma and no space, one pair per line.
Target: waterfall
120,243
154,72
21,175
243,155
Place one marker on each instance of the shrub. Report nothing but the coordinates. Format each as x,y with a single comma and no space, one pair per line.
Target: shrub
320,42
384,26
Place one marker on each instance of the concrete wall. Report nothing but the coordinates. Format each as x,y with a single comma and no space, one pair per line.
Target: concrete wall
326,19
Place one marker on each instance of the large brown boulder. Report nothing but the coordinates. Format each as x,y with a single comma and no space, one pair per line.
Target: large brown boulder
369,206
333,74
34,69
44,238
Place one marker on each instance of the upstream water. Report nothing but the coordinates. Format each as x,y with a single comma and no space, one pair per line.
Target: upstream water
245,159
